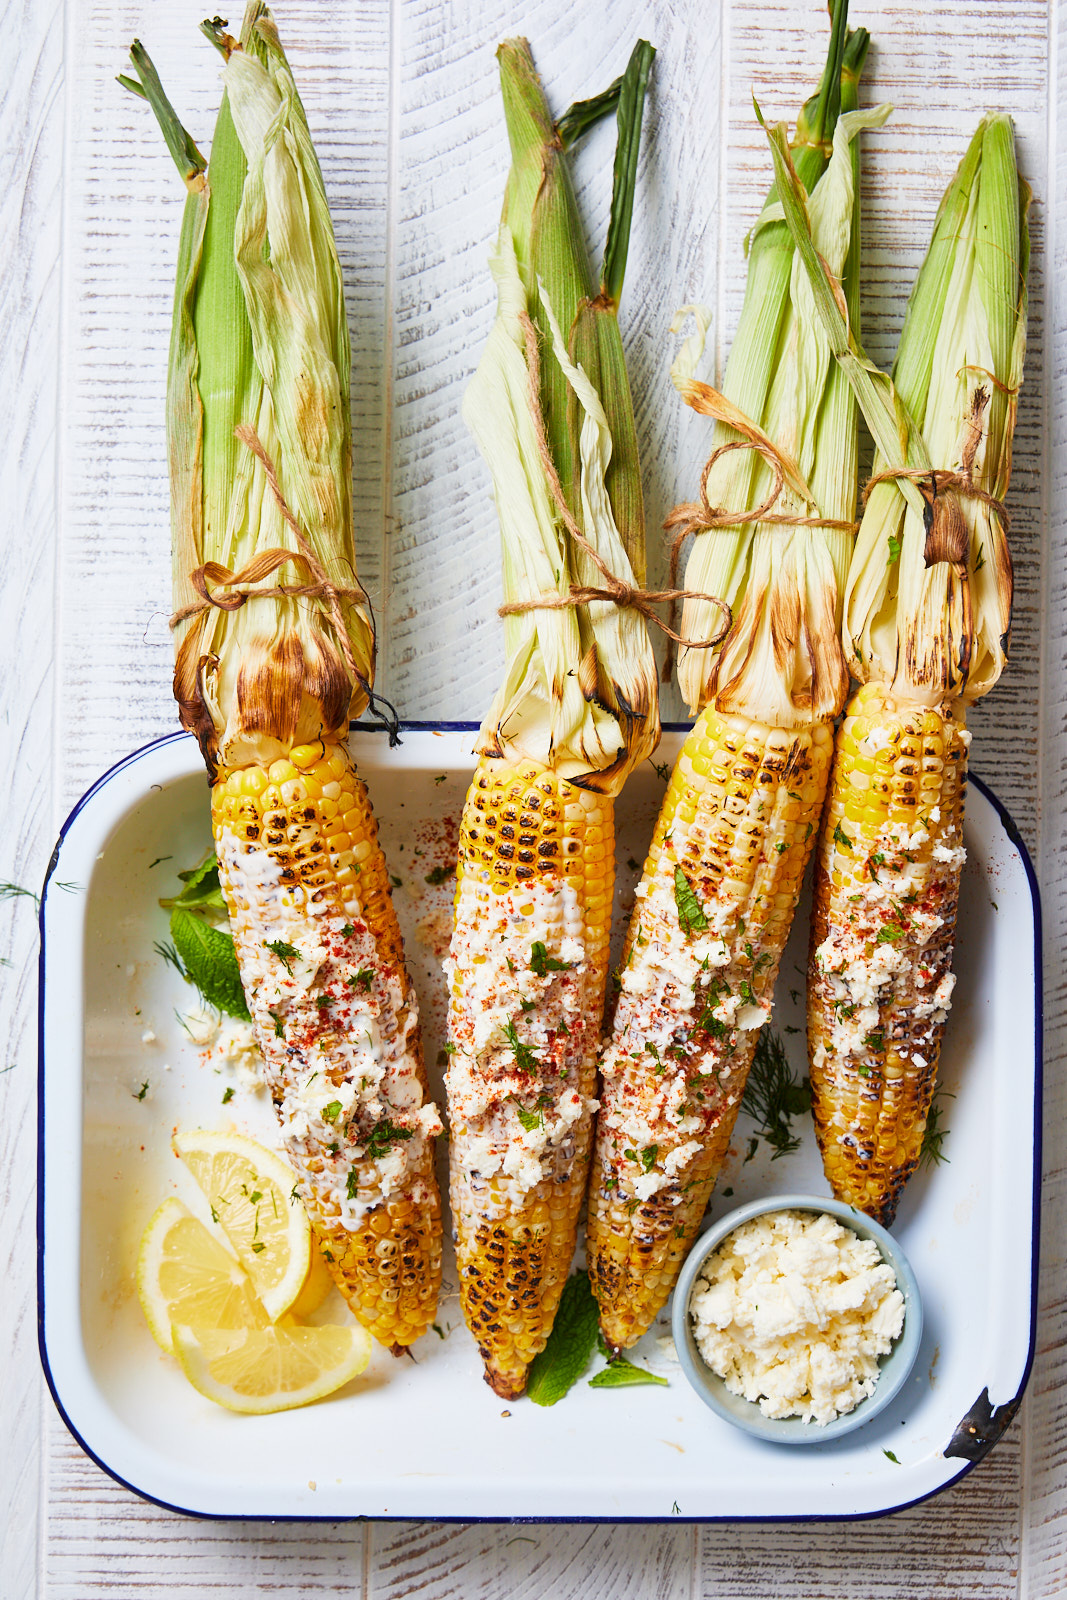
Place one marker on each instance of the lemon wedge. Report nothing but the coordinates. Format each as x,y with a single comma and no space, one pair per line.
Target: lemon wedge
273,1368
317,1284
250,1191
185,1275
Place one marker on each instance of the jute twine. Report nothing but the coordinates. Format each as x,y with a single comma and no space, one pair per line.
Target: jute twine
614,590
234,589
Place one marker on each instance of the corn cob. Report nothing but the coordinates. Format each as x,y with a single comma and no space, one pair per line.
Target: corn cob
533,913
322,964
739,820
713,911
927,624
577,709
260,457
889,860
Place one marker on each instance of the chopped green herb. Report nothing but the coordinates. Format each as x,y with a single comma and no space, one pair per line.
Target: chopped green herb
931,1151
323,1000
441,777
395,881
383,1136
654,1053
348,931
227,1095
449,1049
840,837
890,933
157,861
351,1190
691,918
142,1091
279,1025
634,866
440,874
773,1096
258,1246
286,953
891,1457
361,979
541,963
525,1055
661,769
331,1112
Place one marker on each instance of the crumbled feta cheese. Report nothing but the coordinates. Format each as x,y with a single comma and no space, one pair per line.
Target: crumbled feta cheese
793,1311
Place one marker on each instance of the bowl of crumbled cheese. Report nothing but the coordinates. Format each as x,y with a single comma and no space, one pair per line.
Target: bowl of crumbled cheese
797,1318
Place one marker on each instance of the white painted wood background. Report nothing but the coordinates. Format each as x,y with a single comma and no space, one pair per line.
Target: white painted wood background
402,99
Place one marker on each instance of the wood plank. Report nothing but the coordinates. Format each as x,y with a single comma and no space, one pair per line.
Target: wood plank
31,120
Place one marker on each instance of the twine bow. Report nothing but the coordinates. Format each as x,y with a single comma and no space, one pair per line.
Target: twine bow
236,588
614,589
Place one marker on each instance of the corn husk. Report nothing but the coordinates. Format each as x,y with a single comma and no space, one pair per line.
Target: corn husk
260,340
579,693
928,607
781,660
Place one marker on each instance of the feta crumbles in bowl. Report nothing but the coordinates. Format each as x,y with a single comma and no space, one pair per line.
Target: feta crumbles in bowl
797,1318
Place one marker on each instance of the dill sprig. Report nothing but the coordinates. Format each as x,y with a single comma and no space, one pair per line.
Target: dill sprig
773,1096
932,1151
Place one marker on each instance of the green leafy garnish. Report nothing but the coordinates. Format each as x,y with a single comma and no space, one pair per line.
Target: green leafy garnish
841,837
227,1095
440,874
202,888
525,1055
142,1091
691,918
622,1374
889,1454
890,933
286,953
279,1025
931,1151
210,961
570,1344
773,1096
541,963
351,1187
383,1136
331,1112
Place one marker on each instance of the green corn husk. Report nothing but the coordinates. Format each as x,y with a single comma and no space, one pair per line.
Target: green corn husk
928,607
260,340
781,659
579,693
941,631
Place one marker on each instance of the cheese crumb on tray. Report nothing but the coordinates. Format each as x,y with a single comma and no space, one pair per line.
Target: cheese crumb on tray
793,1311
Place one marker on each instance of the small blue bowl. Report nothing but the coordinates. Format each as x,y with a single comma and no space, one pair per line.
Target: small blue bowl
745,1414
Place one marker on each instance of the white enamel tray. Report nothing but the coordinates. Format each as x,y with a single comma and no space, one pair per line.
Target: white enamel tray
426,1438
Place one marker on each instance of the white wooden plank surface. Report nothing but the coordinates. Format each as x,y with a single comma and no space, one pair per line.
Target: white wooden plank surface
403,103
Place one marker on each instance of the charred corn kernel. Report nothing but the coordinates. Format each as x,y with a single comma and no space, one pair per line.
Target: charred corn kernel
713,912
527,970
879,973
335,1018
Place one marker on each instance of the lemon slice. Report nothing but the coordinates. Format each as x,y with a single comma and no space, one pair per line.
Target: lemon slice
317,1284
185,1275
250,1190
271,1369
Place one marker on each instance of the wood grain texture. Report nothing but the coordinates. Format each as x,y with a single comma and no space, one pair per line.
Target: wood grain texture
31,123
402,100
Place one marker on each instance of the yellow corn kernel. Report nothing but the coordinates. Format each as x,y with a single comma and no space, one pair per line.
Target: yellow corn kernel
879,972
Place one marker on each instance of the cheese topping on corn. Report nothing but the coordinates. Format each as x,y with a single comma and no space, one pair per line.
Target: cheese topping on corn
347,1091
793,1311
523,1030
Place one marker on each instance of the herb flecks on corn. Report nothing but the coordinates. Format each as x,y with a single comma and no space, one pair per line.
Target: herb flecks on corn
742,808
550,410
260,343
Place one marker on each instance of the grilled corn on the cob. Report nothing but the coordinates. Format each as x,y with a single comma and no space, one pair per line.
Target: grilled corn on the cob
926,627
258,432
577,709
713,911
723,877
880,981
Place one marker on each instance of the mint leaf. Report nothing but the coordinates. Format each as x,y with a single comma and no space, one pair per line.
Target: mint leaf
622,1374
570,1344
691,918
210,962
202,888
